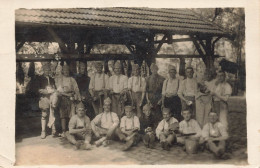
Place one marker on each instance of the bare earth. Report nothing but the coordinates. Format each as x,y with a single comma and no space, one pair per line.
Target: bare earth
31,150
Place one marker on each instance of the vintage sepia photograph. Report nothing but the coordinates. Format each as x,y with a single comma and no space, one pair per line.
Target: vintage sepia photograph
130,86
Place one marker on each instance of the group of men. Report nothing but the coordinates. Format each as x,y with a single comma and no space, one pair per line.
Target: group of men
169,114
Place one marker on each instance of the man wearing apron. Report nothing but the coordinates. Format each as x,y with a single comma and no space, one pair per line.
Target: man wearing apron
98,88
118,89
46,88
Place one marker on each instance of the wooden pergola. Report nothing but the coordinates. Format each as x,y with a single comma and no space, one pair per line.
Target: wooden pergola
135,28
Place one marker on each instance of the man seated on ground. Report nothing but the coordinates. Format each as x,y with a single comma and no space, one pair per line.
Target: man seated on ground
165,129
147,124
105,124
129,128
189,129
79,128
214,135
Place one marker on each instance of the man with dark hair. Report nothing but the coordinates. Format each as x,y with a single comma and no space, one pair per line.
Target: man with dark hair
154,86
170,98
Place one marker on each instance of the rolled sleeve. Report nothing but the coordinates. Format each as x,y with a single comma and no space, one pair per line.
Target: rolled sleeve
122,123
223,131
72,123
164,87
205,131
159,129
136,123
115,119
181,88
130,82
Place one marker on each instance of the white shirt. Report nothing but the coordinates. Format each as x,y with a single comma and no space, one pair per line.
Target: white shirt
118,83
189,127
164,126
223,89
170,87
99,82
106,120
130,123
136,84
188,87
214,130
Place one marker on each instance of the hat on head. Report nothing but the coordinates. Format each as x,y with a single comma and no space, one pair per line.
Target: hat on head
170,67
107,101
65,66
82,63
147,107
135,66
117,64
80,105
154,66
129,107
98,64
46,65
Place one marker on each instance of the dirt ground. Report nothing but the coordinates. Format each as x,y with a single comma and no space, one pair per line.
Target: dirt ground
32,150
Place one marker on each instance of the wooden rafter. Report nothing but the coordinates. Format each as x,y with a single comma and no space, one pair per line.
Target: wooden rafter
19,46
57,39
160,44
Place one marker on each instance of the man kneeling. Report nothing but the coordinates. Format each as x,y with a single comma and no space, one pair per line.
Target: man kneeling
165,129
214,135
105,124
79,128
190,132
129,128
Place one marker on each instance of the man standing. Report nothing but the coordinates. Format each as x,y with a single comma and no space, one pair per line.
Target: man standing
136,87
187,92
221,93
170,98
118,89
99,85
46,88
83,81
154,91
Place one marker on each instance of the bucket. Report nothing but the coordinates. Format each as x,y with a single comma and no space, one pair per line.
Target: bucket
191,146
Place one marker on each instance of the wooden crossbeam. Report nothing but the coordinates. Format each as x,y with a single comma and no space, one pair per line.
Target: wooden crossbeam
93,57
173,40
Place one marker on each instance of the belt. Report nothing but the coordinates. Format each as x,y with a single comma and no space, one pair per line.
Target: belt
137,92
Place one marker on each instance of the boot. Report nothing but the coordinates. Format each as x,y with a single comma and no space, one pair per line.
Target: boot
43,135
128,144
77,145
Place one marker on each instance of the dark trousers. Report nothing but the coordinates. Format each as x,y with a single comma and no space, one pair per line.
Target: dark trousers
174,103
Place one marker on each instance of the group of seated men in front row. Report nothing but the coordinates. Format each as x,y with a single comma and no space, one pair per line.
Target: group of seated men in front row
136,123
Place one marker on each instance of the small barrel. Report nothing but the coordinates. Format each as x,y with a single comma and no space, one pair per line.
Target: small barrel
191,146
